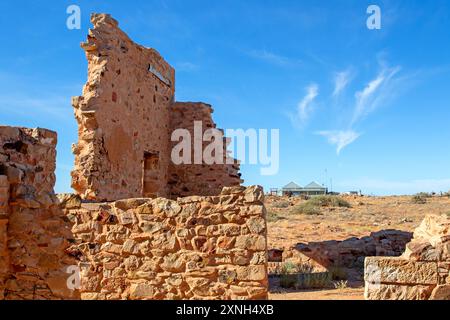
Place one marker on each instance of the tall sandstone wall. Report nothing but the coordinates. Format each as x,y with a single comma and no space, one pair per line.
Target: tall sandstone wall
421,273
199,179
139,249
34,233
194,248
126,117
123,114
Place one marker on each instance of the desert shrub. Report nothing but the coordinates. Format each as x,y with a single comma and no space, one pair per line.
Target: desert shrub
312,206
273,217
302,276
424,195
341,285
288,275
288,281
338,273
281,204
291,267
329,201
419,199
306,208
314,280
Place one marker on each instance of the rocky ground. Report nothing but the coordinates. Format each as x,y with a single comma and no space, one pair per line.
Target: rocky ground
366,215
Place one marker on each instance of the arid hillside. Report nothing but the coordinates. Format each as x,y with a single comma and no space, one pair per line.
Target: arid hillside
295,222
288,227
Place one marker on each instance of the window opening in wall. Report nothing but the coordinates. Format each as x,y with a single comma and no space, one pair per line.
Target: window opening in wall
158,75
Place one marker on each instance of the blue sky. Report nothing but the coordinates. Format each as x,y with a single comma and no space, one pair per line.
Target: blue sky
309,68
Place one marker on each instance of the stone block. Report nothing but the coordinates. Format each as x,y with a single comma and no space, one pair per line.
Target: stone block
397,292
399,271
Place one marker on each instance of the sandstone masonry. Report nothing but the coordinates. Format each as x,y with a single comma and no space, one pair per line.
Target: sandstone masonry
117,234
34,233
350,253
193,248
422,273
210,247
126,116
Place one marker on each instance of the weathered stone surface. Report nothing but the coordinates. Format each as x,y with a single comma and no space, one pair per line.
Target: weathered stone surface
142,291
135,245
433,228
126,117
256,225
252,273
421,273
441,292
400,271
251,242
203,255
34,233
397,292
348,253
69,201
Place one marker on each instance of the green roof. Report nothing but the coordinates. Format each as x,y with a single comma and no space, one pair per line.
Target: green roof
314,185
292,186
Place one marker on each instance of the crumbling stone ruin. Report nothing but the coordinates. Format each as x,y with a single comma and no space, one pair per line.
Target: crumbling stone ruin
126,116
34,233
421,273
347,256
350,253
117,237
193,248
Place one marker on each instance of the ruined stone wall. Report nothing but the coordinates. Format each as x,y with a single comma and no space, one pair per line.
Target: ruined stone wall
33,231
126,116
199,179
4,255
122,116
193,248
351,253
421,273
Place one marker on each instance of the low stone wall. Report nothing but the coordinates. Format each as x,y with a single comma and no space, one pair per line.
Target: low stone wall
193,248
4,256
351,253
421,273
34,234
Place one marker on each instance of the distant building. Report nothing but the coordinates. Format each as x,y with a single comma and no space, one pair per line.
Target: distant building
352,193
292,189
312,189
274,192
315,189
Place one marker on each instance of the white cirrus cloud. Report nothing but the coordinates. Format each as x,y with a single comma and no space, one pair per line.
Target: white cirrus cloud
375,93
305,106
273,58
186,66
340,138
341,81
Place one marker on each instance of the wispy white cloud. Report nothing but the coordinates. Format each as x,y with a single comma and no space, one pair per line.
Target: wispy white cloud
273,58
341,80
340,139
186,66
375,93
305,107
397,187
